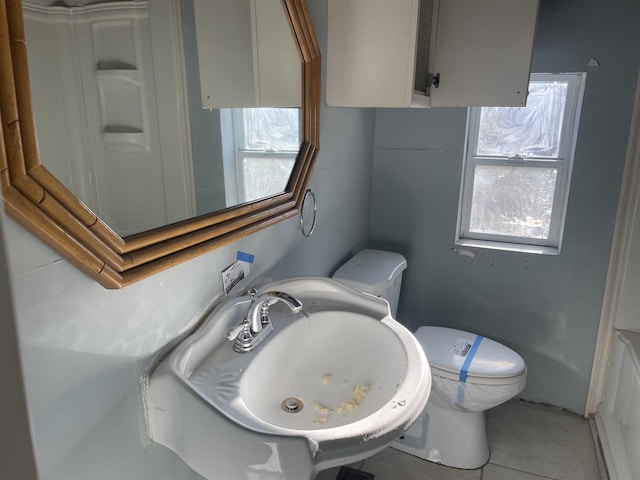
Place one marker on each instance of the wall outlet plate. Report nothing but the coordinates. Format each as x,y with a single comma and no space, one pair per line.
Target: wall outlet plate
232,275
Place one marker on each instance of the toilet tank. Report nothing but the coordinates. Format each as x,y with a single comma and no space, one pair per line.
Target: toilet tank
375,272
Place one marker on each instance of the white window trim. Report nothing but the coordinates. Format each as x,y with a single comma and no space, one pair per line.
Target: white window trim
564,164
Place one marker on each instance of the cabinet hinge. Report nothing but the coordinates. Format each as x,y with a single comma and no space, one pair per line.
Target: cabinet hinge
433,80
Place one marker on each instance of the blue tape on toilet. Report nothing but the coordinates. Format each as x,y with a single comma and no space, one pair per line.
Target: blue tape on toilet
467,363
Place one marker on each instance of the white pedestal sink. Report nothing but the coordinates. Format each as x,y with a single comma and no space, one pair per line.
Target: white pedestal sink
333,385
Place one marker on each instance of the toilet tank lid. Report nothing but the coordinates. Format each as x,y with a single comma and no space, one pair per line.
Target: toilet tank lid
448,348
371,271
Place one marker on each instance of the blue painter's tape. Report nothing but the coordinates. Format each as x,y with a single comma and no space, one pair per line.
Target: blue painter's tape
467,363
244,257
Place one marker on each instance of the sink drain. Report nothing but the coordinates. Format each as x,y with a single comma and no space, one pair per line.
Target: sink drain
292,405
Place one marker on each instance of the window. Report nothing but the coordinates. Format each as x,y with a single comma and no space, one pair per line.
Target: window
267,141
517,168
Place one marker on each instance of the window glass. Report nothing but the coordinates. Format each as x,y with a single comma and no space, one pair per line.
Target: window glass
270,129
512,200
533,131
263,174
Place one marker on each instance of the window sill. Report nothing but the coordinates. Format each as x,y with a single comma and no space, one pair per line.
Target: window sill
508,247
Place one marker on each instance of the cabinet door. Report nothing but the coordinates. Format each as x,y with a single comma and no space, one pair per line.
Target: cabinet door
483,52
371,52
276,57
224,33
246,55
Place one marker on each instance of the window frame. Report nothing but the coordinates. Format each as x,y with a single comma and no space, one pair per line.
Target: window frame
563,163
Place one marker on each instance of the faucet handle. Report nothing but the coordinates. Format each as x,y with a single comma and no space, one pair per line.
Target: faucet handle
264,313
232,333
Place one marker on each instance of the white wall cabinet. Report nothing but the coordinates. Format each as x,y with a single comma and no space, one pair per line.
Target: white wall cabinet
402,53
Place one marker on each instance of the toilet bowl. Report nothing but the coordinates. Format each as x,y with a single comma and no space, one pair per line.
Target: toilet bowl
470,373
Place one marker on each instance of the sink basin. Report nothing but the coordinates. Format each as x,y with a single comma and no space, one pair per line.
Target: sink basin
325,364
332,385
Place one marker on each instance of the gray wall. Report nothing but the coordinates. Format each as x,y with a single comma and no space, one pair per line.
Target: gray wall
17,459
84,348
545,307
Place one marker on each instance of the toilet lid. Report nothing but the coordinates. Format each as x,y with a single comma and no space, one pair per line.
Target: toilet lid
455,350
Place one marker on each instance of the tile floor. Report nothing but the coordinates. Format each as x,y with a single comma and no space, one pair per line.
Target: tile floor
527,442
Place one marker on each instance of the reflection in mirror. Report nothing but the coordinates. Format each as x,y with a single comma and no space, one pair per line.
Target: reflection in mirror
133,117
266,144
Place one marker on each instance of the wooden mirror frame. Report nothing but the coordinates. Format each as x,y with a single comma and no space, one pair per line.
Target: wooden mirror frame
38,201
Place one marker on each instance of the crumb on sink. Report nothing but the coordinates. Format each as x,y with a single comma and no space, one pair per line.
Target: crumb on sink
359,392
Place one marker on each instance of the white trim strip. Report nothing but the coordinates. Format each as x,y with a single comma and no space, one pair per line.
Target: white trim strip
625,217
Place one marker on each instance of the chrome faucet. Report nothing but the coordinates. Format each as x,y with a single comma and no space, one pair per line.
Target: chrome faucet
258,315
256,326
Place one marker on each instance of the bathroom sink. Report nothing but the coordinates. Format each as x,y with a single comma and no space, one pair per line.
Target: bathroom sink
325,370
331,385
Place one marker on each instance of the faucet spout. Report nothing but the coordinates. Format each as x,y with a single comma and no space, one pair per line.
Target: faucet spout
256,326
290,301
259,311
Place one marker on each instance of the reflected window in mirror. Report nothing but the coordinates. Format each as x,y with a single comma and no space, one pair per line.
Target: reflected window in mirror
267,141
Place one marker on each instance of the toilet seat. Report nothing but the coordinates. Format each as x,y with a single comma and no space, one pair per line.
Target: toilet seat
435,371
449,351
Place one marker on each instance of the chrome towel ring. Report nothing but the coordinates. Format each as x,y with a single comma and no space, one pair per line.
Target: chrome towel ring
306,209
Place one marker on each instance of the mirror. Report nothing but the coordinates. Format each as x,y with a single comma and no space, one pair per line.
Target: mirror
155,112
181,211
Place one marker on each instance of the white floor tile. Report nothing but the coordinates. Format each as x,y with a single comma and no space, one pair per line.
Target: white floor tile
542,441
496,472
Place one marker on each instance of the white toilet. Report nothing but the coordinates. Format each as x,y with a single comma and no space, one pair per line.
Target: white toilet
470,373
